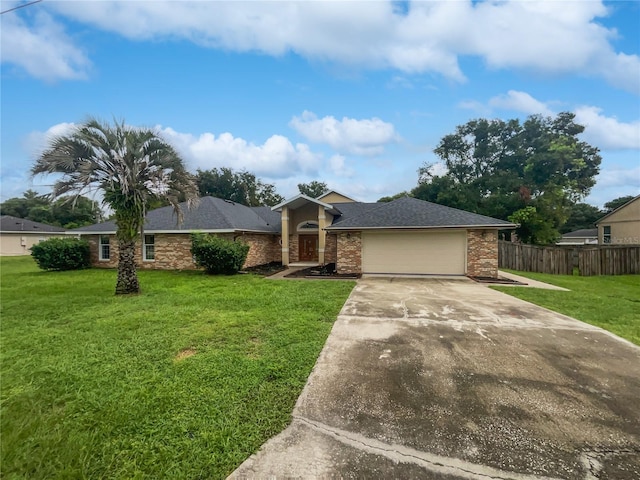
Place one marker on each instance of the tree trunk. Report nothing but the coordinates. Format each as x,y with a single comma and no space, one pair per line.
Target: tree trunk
127,276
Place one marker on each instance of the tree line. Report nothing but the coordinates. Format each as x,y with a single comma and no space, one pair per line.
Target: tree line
78,211
534,173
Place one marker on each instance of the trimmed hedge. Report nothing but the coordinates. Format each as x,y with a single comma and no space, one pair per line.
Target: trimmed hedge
62,254
217,255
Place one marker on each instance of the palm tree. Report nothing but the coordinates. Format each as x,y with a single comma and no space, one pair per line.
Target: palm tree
132,167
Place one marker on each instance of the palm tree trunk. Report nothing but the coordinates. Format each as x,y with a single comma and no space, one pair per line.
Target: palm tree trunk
127,276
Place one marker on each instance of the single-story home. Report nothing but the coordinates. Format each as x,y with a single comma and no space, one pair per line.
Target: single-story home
404,236
584,236
622,226
18,235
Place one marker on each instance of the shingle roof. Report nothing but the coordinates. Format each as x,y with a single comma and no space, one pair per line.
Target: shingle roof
209,214
213,214
407,212
10,223
582,233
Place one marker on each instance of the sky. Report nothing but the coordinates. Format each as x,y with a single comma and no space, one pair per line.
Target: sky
355,94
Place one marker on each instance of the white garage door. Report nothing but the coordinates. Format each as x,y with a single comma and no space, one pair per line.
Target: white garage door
435,253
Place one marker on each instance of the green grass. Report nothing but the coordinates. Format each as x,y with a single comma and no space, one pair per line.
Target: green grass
610,302
93,385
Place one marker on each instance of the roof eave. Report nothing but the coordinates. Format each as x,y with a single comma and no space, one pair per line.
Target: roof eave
278,207
431,227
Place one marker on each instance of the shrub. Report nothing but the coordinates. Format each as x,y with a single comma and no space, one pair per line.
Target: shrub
217,255
62,254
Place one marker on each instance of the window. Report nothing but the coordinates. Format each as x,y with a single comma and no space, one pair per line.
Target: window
149,248
105,248
308,226
606,234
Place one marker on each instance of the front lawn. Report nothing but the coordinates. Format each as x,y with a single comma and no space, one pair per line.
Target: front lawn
610,302
183,381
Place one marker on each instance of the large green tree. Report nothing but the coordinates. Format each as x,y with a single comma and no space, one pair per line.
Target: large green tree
67,212
616,203
581,215
131,166
530,172
313,189
21,207
240,187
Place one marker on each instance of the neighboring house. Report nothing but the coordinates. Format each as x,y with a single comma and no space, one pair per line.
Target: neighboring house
405,236
18,235
622,226
585,236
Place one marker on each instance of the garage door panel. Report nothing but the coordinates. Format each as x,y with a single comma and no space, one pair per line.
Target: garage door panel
433,253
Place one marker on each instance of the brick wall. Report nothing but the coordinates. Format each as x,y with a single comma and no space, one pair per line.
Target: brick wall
331,248
93,247
173,251
349,248
482,253
262,249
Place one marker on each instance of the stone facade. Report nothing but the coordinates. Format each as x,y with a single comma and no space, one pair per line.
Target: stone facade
293,248
482,253
349,245
331,248
173,251
262,248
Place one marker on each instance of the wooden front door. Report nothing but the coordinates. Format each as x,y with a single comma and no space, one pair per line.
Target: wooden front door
308,248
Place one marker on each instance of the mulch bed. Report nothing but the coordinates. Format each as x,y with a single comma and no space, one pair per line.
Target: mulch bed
327,272
497,281
266,269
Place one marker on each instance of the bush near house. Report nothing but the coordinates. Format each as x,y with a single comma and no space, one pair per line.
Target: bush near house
218,255
62,254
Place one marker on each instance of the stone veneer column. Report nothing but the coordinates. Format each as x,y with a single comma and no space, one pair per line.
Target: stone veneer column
482,253
285,235
349,252
322,235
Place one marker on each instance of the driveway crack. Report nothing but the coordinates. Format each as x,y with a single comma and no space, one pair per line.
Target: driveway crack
402,454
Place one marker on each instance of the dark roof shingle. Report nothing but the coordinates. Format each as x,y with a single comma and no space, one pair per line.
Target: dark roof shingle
408,212
9,223
209,214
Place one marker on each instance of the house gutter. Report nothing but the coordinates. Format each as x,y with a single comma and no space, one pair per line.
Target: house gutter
499,227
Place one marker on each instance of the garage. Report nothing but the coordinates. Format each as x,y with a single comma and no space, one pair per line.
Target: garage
408,252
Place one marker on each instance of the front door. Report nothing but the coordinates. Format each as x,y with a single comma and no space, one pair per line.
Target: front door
308,248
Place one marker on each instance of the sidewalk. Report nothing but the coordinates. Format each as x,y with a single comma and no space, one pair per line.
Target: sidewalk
528,282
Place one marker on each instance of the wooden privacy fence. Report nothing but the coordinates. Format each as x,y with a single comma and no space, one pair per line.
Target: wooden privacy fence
609,260
601,260
531,258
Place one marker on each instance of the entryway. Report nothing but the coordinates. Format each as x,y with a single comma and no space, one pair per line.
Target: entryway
308,245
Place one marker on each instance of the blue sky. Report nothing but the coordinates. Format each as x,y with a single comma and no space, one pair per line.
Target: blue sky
355,94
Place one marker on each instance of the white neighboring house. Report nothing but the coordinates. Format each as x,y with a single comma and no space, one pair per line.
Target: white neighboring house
585,236
18,235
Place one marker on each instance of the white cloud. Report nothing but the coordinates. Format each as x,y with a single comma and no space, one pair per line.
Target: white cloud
338,166
619,177
36,142
359,137
607,132
520,102
475,106
540,36
41,48
276,157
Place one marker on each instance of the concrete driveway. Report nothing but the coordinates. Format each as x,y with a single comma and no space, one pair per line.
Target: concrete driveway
448,379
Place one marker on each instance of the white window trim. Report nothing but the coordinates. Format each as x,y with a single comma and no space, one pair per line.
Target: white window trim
100,245
144,248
